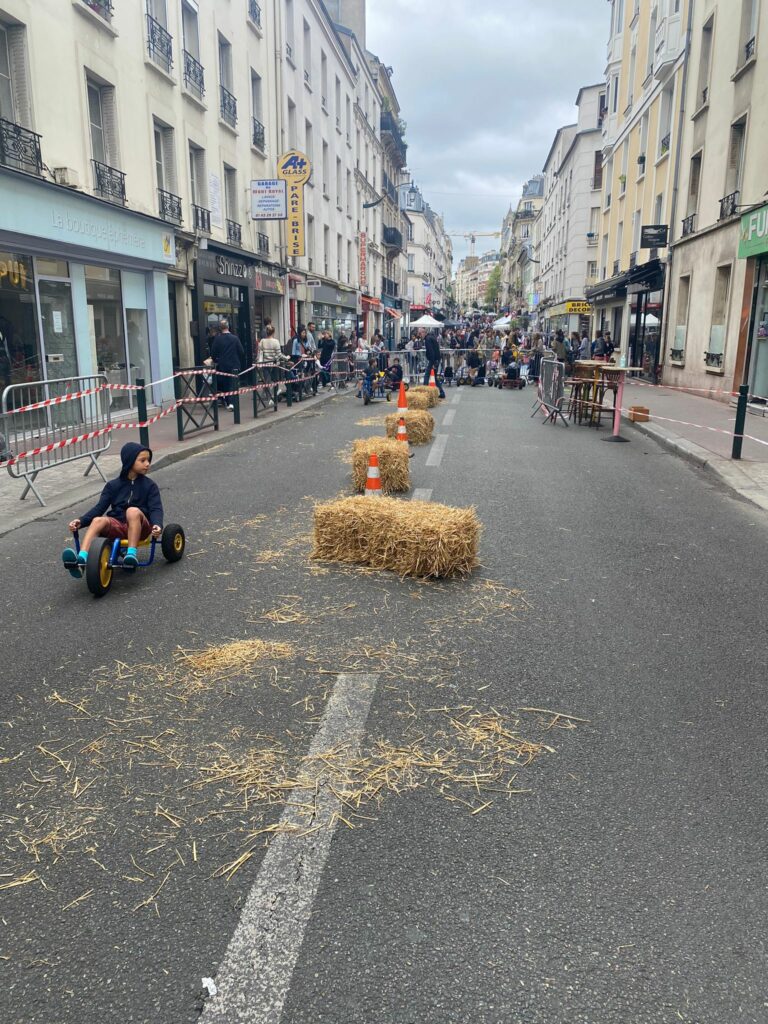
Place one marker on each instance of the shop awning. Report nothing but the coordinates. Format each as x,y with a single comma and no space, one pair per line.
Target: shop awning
370,302
395,313
650,275
613,288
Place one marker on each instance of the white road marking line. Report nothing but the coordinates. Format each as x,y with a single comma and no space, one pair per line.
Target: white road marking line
435,456
255,976
422,494
449,417
457,396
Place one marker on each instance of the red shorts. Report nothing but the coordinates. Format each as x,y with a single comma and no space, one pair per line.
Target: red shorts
116,529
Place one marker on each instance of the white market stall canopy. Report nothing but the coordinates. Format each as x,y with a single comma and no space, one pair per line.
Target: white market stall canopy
426,321
504,322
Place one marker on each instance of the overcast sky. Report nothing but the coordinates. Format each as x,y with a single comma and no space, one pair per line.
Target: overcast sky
483,86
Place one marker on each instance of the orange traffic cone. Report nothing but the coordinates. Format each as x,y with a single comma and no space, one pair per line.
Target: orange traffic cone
402,401
373,480
432,381
402,431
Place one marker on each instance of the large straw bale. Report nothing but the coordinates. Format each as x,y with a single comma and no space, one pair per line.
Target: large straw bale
419,424
418,400
432,395
412,538
393,463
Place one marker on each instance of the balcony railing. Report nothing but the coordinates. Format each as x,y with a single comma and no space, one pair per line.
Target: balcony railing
201,219
254,12
632,260
109,183
728,205
704,95
389,287
665,143
159,44
258,134
170,206
227,107
749,49
393,237
262,244
234,233
616,267
307,77
20,148
390,126
713,359
289,52
101,7
689,224
194,75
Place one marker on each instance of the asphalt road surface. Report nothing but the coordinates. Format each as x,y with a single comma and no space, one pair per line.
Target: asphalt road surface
357,820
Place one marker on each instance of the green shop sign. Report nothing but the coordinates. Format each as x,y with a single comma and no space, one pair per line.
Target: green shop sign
754,233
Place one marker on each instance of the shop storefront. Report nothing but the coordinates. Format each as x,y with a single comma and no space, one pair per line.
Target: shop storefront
608,300
393,320
83,289
572,315
645,288
236,289
371,315
753,247
334,309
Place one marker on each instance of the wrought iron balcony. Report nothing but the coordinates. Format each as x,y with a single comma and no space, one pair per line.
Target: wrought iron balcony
254,12
289,52
307,77
159,44
101,7
390,128
109,183
665,143
393,238
201,219
170,206
258,134
234,233
713,359
194,75
704,95
228,107
677,355
689,225
749,49
20,148
632,260
728,205
262,244
608,200
616,267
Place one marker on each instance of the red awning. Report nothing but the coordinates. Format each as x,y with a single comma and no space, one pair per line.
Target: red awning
393,312
371,302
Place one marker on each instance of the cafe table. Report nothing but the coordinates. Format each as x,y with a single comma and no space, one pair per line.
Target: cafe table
607,374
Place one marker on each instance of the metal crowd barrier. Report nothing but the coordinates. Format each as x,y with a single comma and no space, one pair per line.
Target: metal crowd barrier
45,424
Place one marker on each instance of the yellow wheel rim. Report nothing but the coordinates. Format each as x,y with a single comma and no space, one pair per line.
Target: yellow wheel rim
105,569
178,543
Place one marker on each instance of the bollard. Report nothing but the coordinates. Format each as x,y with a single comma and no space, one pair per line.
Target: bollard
288,388
215,400
741,419
236,404
141,404
255,394
179,410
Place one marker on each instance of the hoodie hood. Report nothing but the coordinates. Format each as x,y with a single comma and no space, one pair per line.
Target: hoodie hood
128,455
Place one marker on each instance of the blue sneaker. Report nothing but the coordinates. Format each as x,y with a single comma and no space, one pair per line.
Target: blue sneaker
130,562
71,564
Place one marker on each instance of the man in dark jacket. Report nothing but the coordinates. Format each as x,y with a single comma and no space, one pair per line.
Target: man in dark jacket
432,352
130,508
229,355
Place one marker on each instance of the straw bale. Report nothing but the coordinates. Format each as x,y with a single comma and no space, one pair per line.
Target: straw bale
419,424
393,463
432,395
418,400
413,538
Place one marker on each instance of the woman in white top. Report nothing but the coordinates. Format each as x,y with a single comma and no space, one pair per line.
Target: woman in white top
270,357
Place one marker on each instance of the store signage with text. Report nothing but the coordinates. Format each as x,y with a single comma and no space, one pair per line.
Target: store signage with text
578,307
295,170
754,233
654,236
363,260
269,199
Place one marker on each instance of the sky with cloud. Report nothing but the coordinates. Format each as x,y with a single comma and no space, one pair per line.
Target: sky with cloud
483,86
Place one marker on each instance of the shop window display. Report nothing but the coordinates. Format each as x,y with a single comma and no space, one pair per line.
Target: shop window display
105,311
20,360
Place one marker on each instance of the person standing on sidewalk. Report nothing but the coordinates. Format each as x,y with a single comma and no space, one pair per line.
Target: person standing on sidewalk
229,355
432,352
270,360
309,365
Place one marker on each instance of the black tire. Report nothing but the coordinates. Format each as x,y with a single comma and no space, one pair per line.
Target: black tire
173,542
98,572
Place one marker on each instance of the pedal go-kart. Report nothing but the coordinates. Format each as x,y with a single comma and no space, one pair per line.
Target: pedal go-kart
106,556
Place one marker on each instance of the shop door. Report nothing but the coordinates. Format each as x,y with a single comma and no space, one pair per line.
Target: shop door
20,360
759,383
242,327
57,327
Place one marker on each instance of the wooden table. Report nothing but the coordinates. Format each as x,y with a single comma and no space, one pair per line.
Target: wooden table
615,374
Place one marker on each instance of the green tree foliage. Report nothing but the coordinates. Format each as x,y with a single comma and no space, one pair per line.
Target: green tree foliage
493,287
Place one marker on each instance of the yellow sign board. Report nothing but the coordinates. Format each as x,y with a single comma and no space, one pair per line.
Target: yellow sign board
294,168
578,307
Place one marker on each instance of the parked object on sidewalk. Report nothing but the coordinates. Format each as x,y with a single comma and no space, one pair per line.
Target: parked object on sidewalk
411,538
392,456
639,414
420,425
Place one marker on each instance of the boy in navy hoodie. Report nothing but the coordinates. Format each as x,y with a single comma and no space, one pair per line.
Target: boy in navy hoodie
129,508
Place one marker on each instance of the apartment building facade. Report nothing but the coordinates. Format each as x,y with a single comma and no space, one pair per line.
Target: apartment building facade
635,177
568,219
429,253
716,328
518,291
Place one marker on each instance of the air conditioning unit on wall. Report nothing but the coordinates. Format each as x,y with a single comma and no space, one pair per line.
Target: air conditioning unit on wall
66,176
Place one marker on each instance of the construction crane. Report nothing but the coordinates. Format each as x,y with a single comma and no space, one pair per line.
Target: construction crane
472,236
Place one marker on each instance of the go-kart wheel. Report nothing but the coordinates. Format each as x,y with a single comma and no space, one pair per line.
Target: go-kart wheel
173,542
98,571
366,398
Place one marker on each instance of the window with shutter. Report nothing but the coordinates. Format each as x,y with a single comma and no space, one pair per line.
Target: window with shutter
735,157
7,104
96,119
109,114
694,184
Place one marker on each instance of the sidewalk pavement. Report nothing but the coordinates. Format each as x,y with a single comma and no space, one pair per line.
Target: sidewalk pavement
700,429
65,486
